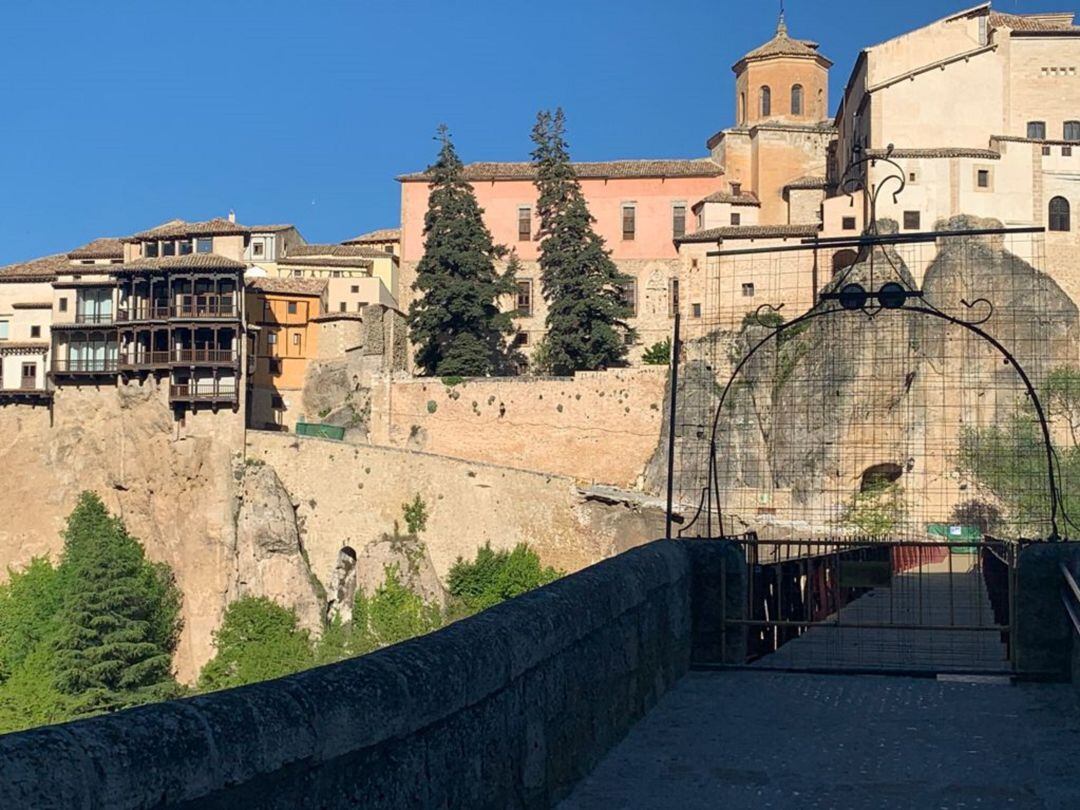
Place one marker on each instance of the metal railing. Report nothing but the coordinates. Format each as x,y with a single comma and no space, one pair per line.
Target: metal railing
85,365
1070,595
96,318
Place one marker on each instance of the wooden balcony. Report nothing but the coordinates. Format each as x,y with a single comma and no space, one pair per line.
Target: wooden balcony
146,360
85,366
208,308
143,312
205,357
188,392
94,318
28,393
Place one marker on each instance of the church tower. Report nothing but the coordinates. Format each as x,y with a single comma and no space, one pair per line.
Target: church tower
785,80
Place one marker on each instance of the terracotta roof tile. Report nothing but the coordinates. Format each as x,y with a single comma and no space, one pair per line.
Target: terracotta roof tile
316,261
335,250
811,181
24,346
104,248
192,261
176,228
782,45
32,305
743,198
381,235
289,286
42,269
751,232
687,167
941,152
270,228
338,316
1051,21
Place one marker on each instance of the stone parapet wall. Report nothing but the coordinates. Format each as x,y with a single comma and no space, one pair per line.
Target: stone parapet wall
506,709
597,426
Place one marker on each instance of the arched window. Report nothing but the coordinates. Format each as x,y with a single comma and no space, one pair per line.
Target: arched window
1059,215
1072,130
797,100
766,101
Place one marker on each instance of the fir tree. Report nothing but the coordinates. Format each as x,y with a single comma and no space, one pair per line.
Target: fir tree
456,322
586,327
119,621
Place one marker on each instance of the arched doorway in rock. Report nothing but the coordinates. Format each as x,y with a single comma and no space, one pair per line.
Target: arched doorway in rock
342,588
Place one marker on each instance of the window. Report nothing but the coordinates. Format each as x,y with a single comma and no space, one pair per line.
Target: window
360,306
296,339
388,248
298,273
204,244
524,298
695,310
628,222
3,330
678,220
1046,150
168,248
912,220
275,367
355,288
673,297
912,177
335,274
1060,215
524,223
701,219
62,305
982,178
848,223
797,100
29,375
736,189
1037,130
766,102
1066,151
1072,131
185,247
748,290
150,250
292,308
258,249
736,219
342,307
35,331
271,338
742,108
521,339
628,293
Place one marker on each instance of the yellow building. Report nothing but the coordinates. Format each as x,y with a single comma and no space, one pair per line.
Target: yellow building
282,339
355,276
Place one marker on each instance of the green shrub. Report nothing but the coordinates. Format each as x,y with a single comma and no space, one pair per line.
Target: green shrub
659,354
495,576
416,515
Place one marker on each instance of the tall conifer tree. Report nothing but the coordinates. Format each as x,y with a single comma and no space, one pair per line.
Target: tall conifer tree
119,621
586,326
456,322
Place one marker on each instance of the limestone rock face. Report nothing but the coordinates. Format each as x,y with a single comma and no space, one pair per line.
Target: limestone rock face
269,558
338,392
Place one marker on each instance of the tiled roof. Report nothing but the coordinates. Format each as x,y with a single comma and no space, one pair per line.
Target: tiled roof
743,198
381,235
193,261
32,305
1060,21
688,167
315,261
751,232
338,316
336,250
808,181
176,228
942,152
782,45
289,286
104,248
43,269
269,228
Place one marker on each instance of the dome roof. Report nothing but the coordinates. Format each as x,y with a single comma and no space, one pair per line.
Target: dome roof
782,45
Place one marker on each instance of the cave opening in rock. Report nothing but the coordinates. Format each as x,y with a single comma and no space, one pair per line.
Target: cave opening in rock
879,476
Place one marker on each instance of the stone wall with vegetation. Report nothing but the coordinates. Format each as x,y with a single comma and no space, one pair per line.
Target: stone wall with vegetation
353,496
505,709
597,426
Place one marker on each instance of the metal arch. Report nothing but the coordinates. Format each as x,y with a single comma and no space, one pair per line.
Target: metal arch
713,485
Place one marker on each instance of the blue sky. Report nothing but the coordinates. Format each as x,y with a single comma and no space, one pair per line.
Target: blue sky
119,115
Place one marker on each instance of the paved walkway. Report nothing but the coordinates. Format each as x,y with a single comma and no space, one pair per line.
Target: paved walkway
772,740
941,595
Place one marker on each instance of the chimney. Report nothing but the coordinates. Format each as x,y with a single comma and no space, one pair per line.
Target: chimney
232,216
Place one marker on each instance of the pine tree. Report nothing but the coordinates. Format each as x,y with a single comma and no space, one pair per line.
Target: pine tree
119,621
586,326
456,322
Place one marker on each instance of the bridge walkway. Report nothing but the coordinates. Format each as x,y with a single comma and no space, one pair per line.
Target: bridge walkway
753,739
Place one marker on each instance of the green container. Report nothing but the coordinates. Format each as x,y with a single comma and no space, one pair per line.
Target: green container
320,431
956,534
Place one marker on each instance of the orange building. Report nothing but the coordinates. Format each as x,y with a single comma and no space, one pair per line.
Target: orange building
282,338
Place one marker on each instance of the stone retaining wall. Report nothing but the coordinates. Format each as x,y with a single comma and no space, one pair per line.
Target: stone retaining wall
505,709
